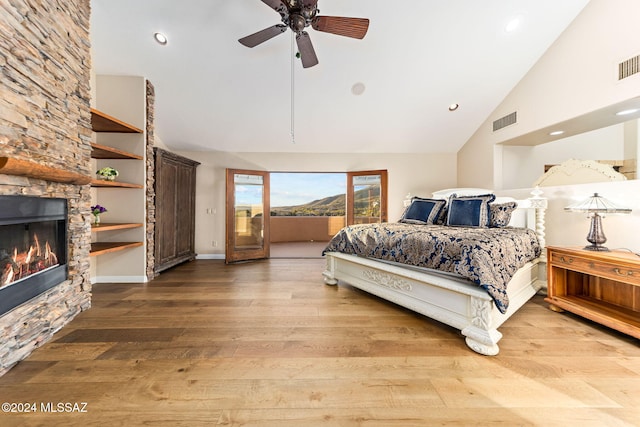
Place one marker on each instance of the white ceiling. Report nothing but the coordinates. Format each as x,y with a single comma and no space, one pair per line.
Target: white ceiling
418,57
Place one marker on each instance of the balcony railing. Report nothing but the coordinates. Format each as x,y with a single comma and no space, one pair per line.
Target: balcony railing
305,228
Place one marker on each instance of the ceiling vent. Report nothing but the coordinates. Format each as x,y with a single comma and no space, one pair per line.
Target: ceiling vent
505,121
629,67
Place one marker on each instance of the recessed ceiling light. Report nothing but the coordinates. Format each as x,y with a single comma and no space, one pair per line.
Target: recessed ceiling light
512,25
160,38
627,112
454,107
556,132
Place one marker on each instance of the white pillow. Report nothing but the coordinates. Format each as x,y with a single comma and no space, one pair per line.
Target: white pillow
503,199
444,194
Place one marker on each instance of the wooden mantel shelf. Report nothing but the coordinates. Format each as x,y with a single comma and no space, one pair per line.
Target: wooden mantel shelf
29,169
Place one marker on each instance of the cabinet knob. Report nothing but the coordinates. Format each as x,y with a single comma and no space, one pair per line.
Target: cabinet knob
566,260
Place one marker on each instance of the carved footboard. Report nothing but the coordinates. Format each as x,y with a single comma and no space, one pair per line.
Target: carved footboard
450,300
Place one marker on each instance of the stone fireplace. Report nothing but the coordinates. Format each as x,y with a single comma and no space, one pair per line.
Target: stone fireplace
33,248
45,149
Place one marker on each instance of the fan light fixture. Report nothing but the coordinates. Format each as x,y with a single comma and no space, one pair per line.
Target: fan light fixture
300,14
160,38
596,206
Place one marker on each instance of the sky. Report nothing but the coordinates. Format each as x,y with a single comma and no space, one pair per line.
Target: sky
297,188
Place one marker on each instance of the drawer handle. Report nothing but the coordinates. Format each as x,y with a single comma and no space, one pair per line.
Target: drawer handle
622,273
565,260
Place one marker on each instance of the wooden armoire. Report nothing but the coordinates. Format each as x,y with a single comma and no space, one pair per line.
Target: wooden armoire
175,188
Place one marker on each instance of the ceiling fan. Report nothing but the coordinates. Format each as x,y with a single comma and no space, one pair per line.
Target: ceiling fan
299,14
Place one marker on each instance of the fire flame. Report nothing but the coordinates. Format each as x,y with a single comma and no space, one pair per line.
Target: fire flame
31,261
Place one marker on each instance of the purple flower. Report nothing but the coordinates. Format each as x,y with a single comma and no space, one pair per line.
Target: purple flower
97,209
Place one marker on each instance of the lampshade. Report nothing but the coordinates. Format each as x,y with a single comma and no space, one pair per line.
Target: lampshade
596,204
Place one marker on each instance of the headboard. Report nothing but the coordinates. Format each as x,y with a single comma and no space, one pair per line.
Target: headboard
575,171
529,213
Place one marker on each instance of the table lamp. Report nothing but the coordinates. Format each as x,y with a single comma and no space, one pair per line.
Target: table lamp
596,206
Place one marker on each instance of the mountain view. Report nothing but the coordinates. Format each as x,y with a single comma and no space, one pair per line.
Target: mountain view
332,205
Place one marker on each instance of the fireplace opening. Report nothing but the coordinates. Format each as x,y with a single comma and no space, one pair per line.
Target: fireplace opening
33,247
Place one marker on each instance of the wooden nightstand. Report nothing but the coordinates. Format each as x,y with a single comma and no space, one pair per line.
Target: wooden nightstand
600,286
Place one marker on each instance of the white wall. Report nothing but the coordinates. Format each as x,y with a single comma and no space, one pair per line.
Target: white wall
577,75
523,165
419,174
631,140
123,97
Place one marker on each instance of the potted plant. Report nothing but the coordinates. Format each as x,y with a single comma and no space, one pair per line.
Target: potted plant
96,211
107,173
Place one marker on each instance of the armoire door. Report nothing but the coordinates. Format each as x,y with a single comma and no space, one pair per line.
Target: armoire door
175,193
167,208
185,213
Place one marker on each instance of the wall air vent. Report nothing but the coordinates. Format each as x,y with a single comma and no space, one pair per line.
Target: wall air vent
505,121
629,67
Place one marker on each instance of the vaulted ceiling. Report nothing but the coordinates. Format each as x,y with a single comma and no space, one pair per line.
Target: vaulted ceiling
387,93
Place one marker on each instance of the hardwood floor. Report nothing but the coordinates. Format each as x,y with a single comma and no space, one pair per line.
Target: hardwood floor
268,344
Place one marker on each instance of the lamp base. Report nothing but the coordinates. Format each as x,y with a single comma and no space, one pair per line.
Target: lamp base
596,235
598,248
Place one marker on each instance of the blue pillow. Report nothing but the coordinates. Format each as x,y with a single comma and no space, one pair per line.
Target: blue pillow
423,211
470,211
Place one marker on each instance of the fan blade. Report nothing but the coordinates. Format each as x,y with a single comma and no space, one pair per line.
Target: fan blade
262,36
307,54
342,26
273,4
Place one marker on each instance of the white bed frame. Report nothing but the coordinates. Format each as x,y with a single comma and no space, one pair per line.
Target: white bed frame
447,298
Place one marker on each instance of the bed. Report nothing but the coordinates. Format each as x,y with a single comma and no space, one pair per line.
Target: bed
450,297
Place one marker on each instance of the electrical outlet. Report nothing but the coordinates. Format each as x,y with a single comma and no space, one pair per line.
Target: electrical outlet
214,243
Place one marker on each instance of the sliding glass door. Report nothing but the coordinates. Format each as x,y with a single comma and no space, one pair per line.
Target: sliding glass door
248,209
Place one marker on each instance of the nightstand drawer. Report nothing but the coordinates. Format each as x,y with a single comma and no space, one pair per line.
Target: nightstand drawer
596,267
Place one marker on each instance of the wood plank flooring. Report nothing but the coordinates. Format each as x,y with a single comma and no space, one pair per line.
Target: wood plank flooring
268,344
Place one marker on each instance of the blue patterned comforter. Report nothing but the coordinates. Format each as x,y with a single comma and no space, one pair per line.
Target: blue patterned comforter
488,257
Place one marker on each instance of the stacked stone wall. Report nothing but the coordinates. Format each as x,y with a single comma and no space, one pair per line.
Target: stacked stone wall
45,64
